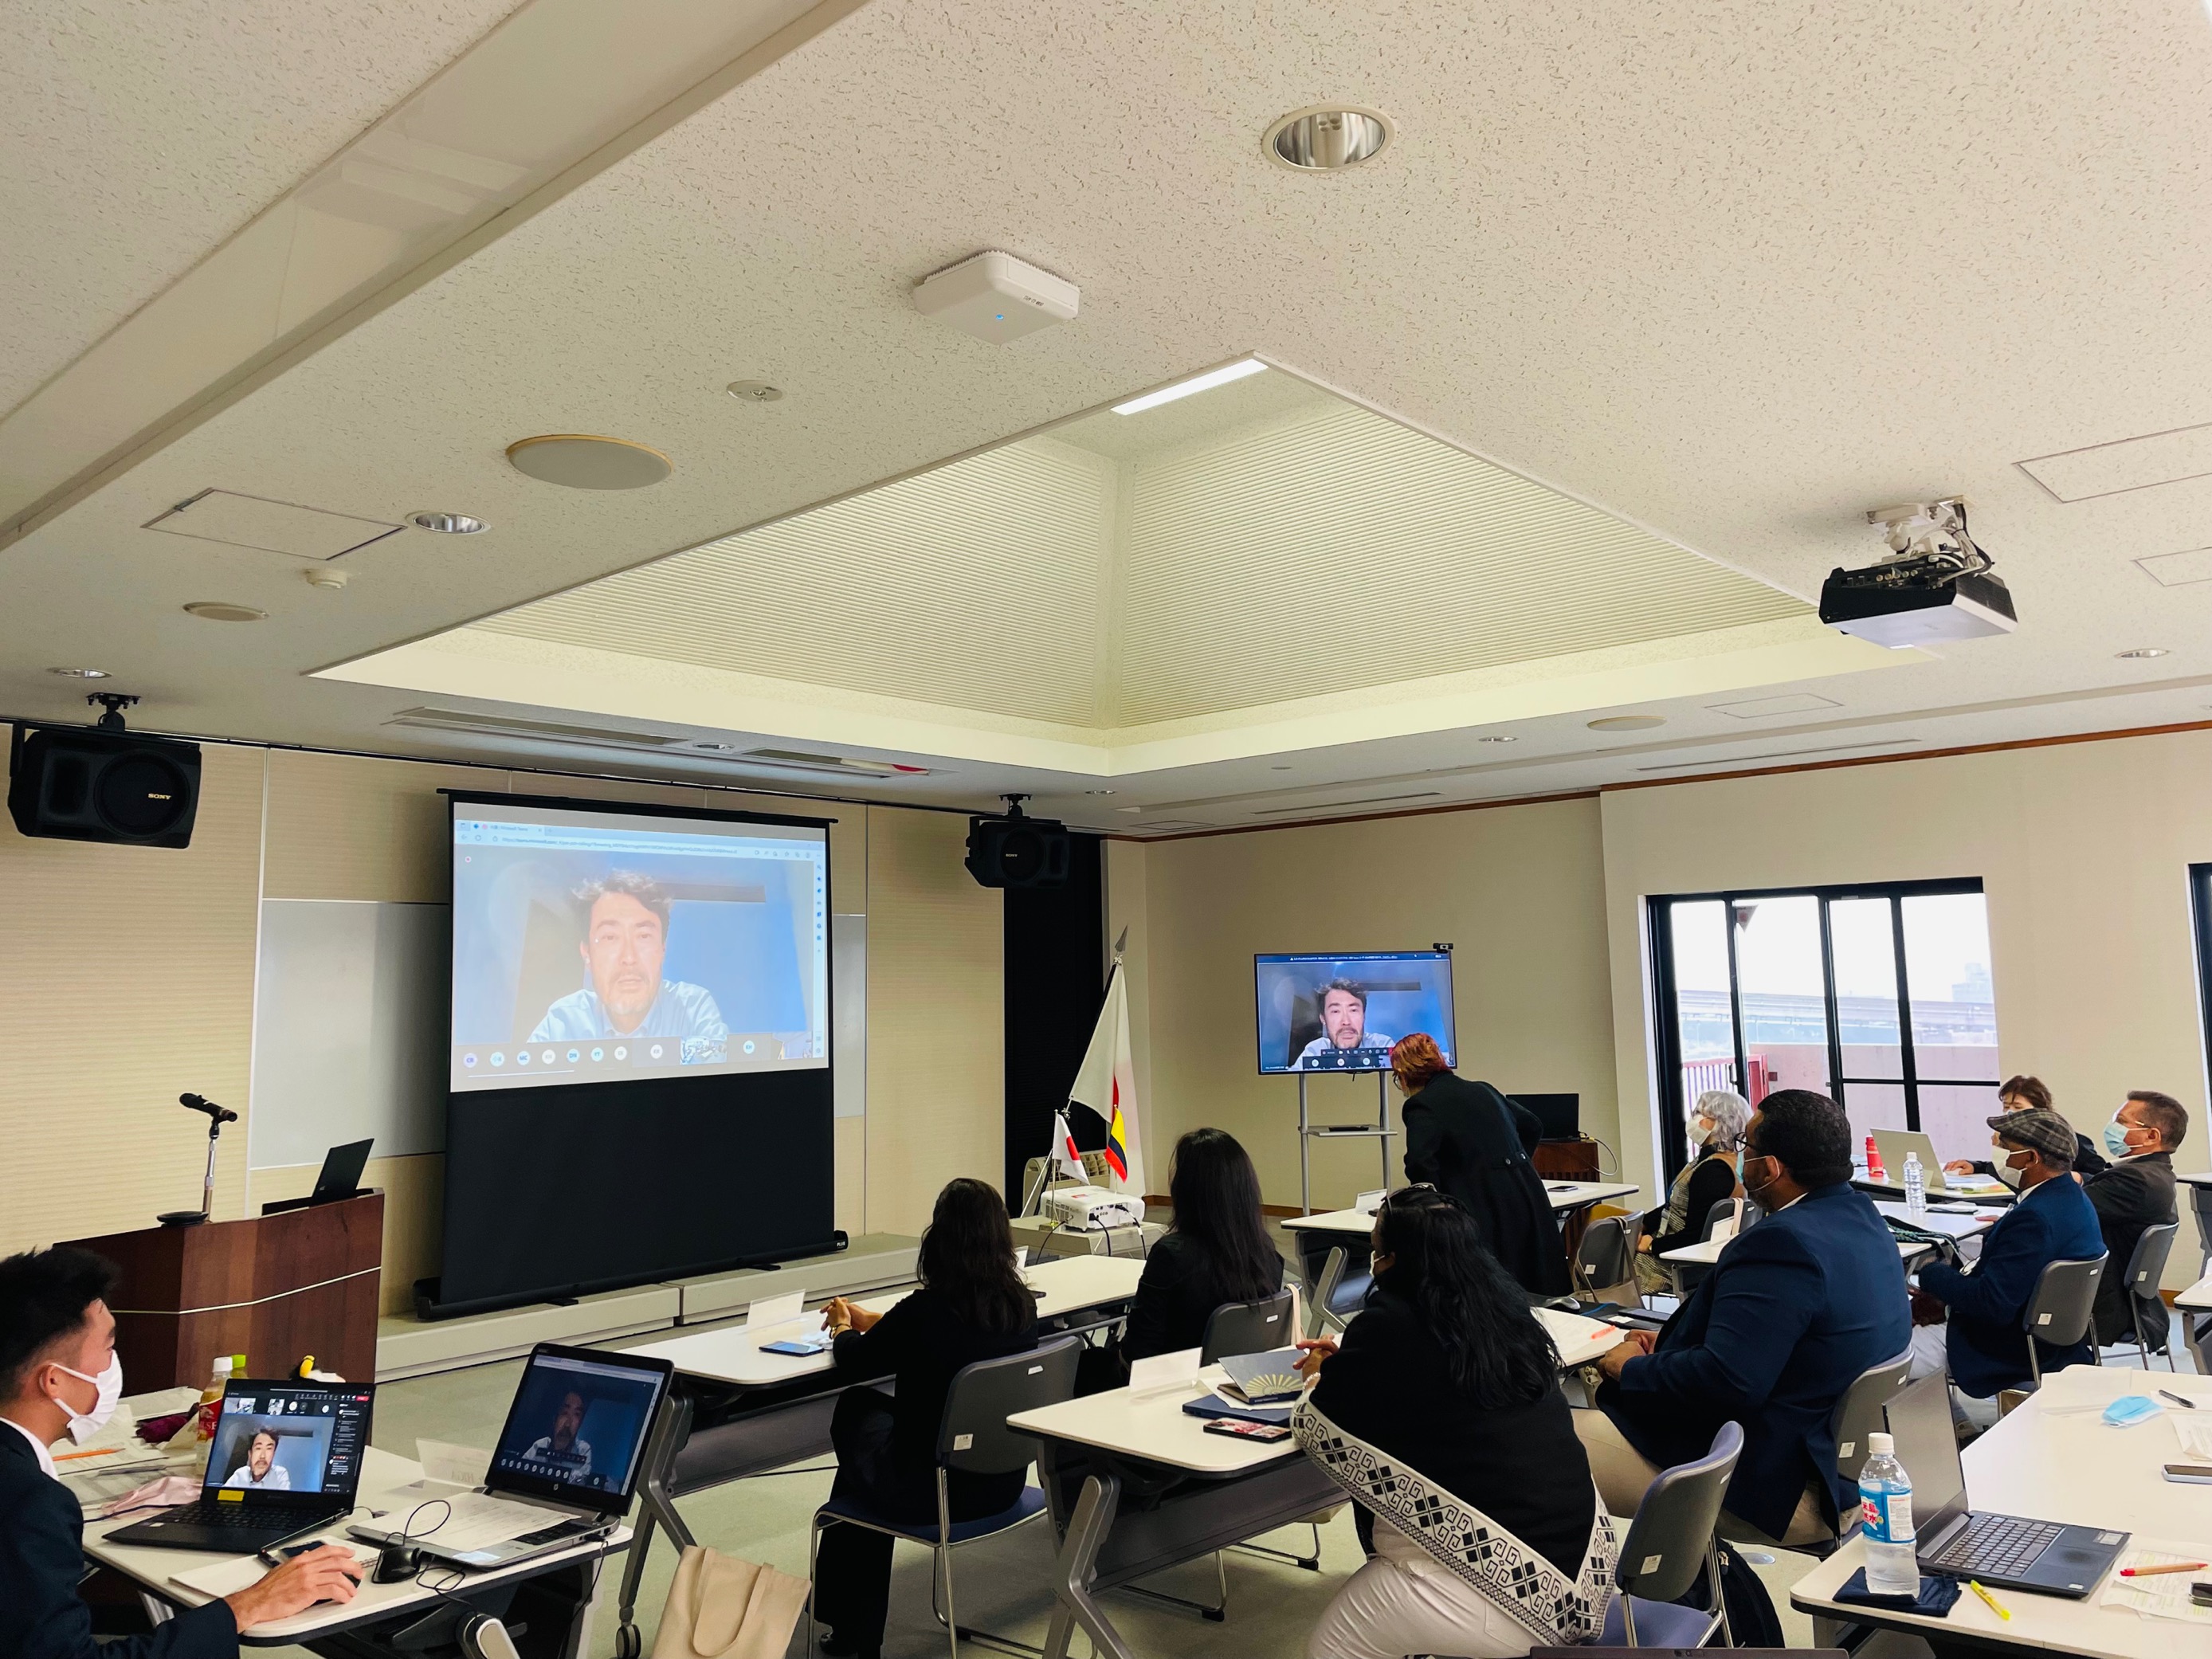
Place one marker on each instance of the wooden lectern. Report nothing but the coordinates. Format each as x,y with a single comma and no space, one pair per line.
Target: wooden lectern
271,1287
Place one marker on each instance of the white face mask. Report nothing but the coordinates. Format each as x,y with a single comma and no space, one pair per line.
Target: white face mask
82,1425
1700,1131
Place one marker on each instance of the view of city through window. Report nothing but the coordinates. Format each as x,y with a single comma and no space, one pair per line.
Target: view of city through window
1879,996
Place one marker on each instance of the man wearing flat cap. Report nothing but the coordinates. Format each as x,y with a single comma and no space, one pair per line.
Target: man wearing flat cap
2053,1221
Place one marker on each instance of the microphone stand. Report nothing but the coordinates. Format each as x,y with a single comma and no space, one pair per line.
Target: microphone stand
216,1116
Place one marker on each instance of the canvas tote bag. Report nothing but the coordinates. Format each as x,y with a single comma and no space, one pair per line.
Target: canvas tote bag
721,1608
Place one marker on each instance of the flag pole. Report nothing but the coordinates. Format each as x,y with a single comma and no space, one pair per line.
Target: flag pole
1035,1194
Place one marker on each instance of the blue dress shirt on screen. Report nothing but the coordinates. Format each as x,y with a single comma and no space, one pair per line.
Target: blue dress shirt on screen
682,1010
1321,1045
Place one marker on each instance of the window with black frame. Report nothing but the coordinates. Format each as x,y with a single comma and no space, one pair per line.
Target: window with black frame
1877,995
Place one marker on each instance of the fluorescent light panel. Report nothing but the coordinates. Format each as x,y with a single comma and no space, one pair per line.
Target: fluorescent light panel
1192,387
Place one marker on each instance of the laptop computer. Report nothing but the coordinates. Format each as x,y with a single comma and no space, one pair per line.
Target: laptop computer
565,1469
340,1178
285,1460
2011,1551
1894,1144
1560,1115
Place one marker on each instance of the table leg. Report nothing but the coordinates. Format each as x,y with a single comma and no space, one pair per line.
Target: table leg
1075,1568
657,1505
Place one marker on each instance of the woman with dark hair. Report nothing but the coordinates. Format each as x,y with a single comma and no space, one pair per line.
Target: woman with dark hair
972,1305
1473,1144
1216,1249
1441,1413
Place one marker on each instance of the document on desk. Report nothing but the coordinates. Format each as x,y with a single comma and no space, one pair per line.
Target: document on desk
476,1521
2165,1596
234,1572
2196,1438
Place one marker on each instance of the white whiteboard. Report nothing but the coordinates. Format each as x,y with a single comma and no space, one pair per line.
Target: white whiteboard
349,1030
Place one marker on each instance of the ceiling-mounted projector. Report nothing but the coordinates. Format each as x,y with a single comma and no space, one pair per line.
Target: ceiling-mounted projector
1936,585
996,297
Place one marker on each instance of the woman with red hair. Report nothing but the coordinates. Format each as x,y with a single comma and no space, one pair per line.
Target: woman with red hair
1469,1142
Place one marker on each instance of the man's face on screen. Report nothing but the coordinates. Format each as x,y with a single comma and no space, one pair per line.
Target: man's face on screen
623,950
261,1454
568,1420
1344,1016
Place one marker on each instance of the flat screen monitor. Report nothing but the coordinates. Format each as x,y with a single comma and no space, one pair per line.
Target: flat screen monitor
1341,1010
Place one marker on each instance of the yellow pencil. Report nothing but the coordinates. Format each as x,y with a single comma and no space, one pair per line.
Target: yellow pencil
1996,1607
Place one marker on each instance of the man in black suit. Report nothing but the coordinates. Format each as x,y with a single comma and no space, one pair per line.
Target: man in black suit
2135,1191
59,1374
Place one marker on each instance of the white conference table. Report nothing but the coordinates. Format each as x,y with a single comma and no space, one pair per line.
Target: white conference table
383,1475
1565,1195
2198,1298
1960,1227
1066,1284
2069,1466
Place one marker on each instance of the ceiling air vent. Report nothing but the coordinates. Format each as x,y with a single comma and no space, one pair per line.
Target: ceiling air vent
510,725
798,760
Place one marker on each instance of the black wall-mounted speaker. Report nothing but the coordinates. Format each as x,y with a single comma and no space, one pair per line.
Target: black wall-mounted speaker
76,784
1017,852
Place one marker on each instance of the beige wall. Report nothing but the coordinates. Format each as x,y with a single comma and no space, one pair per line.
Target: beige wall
1517,890
128,977
2083,849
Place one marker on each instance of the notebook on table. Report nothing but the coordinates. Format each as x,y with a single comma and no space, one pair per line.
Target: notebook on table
2015,1552
285,1461
565,1469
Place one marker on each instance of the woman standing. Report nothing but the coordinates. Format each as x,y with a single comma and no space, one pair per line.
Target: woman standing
1442,1415
1717,1127
1469,1142
972,1305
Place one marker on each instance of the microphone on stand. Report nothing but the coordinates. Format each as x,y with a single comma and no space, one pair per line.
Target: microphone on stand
216,1117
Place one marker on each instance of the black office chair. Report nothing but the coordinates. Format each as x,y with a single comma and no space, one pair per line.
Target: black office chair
1239,1328
2058,1313
972,1437
1673,1534
2146,1268
1604,1260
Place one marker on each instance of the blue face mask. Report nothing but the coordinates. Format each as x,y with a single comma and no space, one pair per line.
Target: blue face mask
2116,1141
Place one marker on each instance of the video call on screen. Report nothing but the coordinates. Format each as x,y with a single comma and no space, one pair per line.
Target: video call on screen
577,1423
1322,1013
591,945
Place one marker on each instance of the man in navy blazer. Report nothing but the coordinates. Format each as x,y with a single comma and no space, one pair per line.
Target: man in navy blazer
2054,1220
1796,1309
59,1373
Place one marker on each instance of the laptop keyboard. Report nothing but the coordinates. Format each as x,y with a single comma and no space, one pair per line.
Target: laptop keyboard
244,1517
1997,1546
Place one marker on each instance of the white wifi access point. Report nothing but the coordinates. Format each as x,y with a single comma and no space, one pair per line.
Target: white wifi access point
996,297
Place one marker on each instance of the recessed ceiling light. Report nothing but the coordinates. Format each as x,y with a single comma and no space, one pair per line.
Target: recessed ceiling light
222,611
1497,738
80,674
448,524
755,391
1098,792
582,462
1129,809
1324,138
2141,651
1628,722
1278,768
1192,387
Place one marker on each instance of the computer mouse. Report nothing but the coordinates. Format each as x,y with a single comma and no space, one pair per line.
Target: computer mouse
396,1564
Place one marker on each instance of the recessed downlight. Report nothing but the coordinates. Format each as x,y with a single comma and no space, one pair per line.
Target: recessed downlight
2141,651
80,674
755,391
578,460
1098,792
223,611
1326,138
448,524
1497,738
1628,722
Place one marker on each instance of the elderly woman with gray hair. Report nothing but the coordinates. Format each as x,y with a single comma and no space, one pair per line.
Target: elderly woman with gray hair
1716,1131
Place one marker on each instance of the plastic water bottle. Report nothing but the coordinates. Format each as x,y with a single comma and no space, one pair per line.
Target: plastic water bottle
1916,1188
1893,1566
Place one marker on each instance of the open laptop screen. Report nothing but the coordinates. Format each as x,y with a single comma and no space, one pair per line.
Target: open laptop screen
300,1439
1920,1422
578,1423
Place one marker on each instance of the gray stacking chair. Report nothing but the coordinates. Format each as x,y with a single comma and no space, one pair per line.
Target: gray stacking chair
2058,1313
1673,1535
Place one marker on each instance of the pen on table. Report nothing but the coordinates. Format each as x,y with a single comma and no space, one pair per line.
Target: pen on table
2180,1400
2151,1572
1995,1606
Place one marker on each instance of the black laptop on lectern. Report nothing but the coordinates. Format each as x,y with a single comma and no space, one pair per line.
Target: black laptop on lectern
340,1178
2011,1551
285,1460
